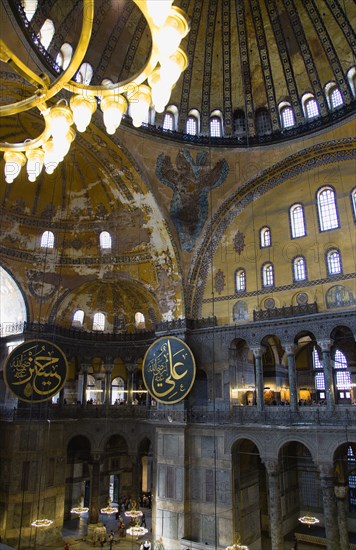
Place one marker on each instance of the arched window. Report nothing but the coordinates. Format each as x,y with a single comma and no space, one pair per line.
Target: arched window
297,223
299,269
326,201
46,33
267,275
342,375
239,123
168,121
215,126
78,318
84,74
47,240
333,262
30,7
353,202
263,122
12,306
335,98
240,311
118,391
287,116
240,280
140,320
99,321
351,77
105,240
191,127
311,108
64,56
265,237
319,378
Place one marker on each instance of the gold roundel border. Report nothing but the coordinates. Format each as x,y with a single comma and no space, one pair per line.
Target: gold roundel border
193,363
16,350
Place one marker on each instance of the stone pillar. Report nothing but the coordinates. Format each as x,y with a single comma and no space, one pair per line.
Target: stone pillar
257,352
275,507
341,502
329,506
328,374
130,367
85,369
292,376
94,468
136,478
108,370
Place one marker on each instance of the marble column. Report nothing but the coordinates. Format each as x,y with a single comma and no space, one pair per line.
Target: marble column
94,469
85,369
329,506
341,492
328,374
257,352
292,377
275,507
136,479
130,367
108,370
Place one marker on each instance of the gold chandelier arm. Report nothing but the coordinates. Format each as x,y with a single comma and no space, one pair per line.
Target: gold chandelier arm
128,85
7,56
29,143
58,84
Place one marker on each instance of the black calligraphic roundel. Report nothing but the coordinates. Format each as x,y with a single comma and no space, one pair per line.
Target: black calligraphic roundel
168,370
35,371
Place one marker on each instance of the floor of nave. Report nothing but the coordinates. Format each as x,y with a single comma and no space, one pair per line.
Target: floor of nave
75,534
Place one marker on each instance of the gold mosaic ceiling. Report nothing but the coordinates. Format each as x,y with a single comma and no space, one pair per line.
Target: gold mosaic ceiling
243,55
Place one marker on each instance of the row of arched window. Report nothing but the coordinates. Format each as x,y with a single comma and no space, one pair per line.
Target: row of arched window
327,216
99,320
263,125
299,270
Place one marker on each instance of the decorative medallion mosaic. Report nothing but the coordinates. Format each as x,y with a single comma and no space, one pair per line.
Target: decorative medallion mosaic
219,282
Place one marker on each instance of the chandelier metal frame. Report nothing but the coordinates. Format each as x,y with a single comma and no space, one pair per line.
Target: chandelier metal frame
151,86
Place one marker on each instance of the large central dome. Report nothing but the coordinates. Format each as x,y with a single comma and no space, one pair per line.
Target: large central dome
248,61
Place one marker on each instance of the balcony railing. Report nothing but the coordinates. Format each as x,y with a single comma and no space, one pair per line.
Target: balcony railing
342,415
285,311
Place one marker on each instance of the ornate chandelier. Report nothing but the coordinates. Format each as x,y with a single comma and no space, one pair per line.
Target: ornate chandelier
150,87
109,509
308,520
237,545
42,522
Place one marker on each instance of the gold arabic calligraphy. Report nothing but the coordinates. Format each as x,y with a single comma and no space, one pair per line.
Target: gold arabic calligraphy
164,367
37,371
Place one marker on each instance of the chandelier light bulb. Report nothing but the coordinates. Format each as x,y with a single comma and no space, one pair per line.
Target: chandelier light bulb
173,66
60,120
158,10
62,145
50,157
34,165
161,90
170,35
140,101
83,109
14,161
113,108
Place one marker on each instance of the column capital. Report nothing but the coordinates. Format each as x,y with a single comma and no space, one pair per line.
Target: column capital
108,368
257,351
272,466
85,368
290,349
325,344
326,470
95,458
